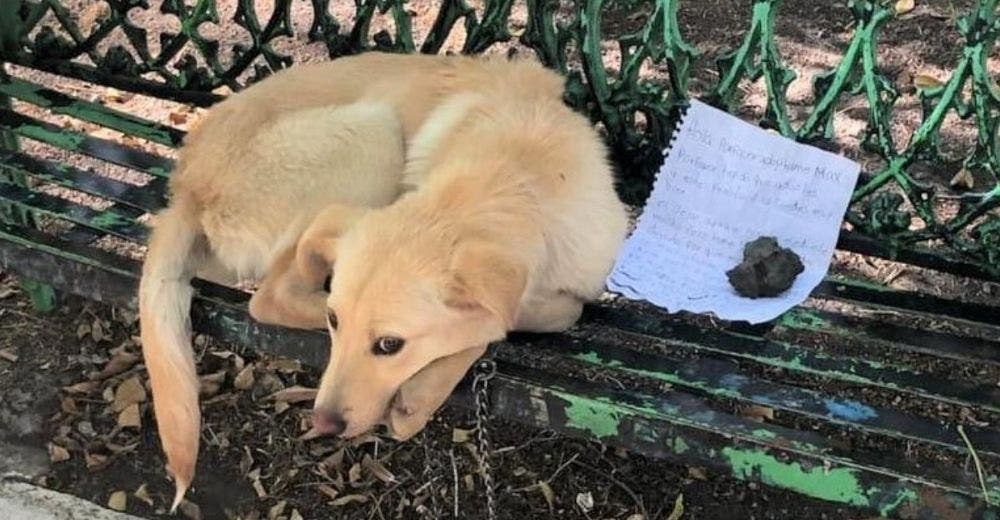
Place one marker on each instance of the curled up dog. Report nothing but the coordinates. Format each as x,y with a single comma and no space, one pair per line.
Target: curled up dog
503,217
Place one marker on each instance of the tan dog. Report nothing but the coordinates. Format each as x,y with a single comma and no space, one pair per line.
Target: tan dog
511,223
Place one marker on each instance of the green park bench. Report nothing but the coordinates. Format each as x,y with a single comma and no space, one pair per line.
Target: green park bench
875,397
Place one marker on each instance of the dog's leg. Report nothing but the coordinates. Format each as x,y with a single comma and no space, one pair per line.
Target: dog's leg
213,271
425,392
286,298
553,313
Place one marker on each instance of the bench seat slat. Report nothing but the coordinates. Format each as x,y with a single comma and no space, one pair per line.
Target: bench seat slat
794,358
667,426
930,342
91,112
112,222
839,288
720,379
48,133
149,197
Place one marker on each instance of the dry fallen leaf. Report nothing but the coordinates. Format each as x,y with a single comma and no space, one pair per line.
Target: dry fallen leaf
377,469
84,388
328,491
7,292
244,380
295,515
458,435
470,483
354,474
130,417
758,413
190,510
68,405
550,496
347,499
678,511
211,383
963,180
925,82
636,516
697,473
294,394
57,453
904,6
94,461
178,118
585,501
118,501
276,510
128,393
9,355
143,494
121,362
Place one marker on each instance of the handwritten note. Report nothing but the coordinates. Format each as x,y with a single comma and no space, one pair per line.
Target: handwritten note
724,183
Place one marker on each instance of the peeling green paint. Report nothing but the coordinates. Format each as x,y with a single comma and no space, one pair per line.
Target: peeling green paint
804,319
906,496
835,485
599,419
64,140
764,434
679,446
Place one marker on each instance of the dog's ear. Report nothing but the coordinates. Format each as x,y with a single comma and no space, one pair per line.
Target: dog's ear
317,247
486,277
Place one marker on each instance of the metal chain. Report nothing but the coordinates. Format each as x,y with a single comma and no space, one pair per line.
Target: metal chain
485,370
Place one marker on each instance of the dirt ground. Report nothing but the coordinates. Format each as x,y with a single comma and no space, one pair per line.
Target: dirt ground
71,384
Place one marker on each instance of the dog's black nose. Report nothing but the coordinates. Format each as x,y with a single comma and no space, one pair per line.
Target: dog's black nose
328,423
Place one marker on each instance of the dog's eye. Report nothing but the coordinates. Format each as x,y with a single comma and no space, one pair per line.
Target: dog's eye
326,283
331,318
387,346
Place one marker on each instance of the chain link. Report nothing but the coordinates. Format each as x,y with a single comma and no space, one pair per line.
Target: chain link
485,370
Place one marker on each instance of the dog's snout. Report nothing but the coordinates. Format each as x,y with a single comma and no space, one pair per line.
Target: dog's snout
328,423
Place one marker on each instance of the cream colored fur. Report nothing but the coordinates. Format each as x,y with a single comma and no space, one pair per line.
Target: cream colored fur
509,221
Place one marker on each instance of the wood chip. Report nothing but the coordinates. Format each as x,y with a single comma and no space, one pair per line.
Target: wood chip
277,510
585,501
118,501
904,6
9,355
924,81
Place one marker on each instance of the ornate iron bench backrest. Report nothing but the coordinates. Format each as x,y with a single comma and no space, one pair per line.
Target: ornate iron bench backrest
632,97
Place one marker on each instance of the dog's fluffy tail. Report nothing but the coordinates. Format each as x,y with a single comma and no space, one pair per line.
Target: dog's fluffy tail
176,248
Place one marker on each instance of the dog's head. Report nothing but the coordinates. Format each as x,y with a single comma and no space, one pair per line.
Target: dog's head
406,292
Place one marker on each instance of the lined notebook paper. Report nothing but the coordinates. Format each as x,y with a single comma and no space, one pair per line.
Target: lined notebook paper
724,183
